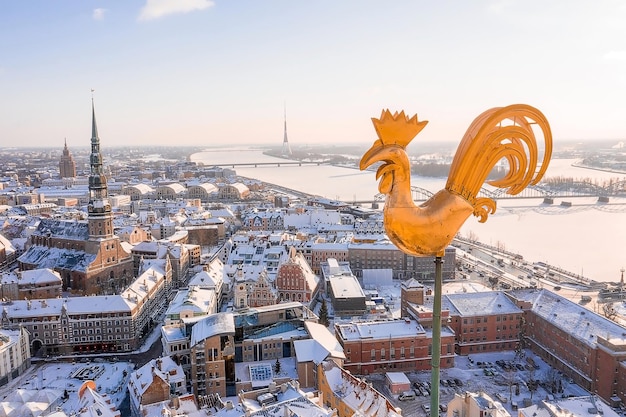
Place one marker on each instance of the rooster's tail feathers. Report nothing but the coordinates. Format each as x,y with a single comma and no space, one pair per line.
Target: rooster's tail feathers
500,133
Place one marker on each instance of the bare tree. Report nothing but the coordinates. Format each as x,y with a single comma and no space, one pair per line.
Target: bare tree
521,345
609,311
493,282
472,236
552,379
531,381
510,379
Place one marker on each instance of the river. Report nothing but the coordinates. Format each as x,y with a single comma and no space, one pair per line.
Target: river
587,238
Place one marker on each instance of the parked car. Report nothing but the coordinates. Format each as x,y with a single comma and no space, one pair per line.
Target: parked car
519,366
443,408
458,382
406,395
426,408
501,397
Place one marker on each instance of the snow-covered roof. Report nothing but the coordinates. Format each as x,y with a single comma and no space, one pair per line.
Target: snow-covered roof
194,299
319,347
173,333
157,249
39,276
140,188
480,303
7,245
325,338
357,394
65,229
218,323
380,329
162,368
92,403
175,188
346,286
210,278
206,186
412,283
74,305
397,378
57,258
140,289
577,321
298,258
290,401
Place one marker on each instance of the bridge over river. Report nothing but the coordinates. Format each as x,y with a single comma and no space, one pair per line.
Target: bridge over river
273,164
573,189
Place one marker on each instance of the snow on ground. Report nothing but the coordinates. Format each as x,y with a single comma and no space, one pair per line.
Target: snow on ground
110,379
474,379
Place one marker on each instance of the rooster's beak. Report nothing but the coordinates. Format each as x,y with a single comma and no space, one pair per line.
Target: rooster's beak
378,152
371,156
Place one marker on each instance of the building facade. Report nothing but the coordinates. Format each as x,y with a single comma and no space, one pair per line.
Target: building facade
393,345
67,166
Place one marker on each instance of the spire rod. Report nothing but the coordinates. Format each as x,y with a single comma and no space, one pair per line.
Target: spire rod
94,127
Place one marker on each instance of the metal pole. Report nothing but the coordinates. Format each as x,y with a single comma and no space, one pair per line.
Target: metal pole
436,351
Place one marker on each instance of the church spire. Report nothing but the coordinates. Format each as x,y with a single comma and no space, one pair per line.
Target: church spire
99,209
94,127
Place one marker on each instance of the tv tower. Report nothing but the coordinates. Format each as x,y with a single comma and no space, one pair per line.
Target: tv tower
286,150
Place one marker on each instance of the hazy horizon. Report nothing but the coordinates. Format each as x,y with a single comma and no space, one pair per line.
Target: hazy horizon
595,143
201,71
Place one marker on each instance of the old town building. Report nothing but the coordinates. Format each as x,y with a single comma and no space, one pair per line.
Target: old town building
392,345
67,166
295,281
88,255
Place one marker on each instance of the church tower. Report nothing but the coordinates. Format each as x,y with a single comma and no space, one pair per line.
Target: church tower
100,218
67,166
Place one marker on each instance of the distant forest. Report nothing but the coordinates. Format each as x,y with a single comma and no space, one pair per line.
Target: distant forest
348,156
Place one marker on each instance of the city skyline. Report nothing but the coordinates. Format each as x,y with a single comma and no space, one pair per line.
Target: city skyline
201,72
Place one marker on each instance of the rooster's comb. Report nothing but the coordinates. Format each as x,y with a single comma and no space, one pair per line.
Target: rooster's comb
397,128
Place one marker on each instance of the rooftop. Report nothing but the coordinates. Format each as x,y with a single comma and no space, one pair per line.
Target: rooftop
480,303
380,329
346,286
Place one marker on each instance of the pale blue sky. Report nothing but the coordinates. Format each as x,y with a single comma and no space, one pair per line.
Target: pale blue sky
199,72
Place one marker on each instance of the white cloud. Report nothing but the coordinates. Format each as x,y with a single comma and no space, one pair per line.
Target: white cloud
499,6
155,9
98,14
615,56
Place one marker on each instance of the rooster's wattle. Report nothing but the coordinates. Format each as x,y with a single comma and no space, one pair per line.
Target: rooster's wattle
501,132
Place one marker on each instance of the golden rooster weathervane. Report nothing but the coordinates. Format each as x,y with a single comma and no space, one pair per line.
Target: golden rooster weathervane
426,230
501,132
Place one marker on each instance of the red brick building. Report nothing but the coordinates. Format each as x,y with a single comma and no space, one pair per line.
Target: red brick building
295,281
483,322
585,346
394,345
88,255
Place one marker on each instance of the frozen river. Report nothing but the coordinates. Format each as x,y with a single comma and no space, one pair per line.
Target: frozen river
587,238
